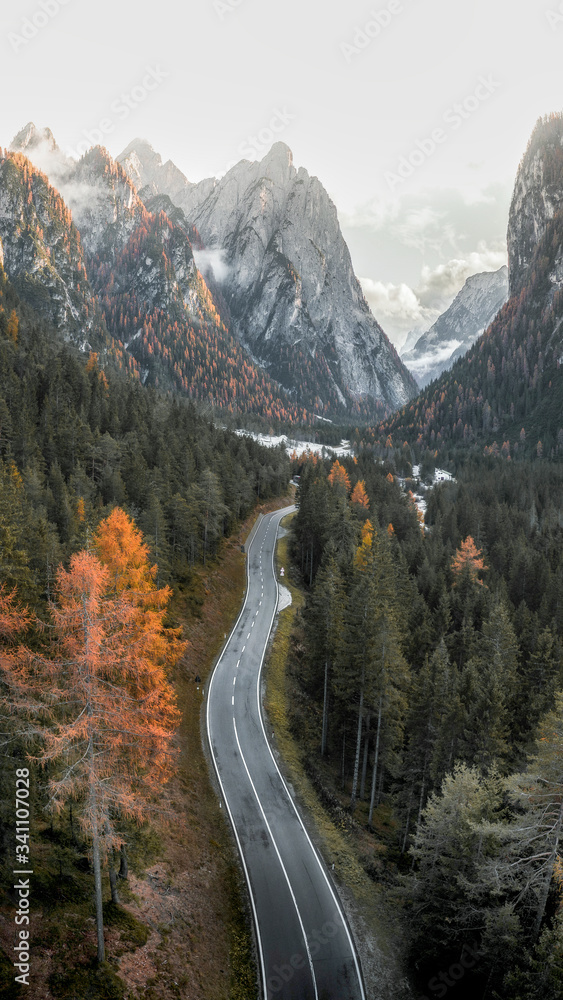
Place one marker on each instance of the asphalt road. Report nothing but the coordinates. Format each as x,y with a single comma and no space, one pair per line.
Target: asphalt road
305,948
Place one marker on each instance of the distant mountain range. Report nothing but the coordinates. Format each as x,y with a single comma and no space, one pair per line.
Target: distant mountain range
239,292
456,330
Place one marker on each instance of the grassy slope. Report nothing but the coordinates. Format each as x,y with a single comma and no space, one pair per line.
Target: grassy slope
374,925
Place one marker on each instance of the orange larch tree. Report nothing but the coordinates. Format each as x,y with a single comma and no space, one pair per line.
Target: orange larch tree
107,713
359,495
468,557
338,476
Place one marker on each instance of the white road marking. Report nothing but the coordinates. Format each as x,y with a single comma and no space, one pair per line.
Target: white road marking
233,700
337,902
252,900
289,885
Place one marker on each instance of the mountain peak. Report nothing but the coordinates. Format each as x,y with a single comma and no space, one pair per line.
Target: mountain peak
538,195
145,168
30,136
277,165
279,151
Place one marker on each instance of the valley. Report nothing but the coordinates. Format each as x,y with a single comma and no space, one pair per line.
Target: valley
177,358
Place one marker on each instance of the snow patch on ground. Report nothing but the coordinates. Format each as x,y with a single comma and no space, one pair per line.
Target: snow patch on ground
440,476
284,598
299,447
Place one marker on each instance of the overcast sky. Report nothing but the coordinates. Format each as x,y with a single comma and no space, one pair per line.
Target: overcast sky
413,113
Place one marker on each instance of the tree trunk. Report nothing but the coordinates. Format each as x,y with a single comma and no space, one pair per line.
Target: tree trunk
123,866
113,885
376,760
380,788
98,881
407,821
94,809
549,875
358,745
365,761
421,798
325,712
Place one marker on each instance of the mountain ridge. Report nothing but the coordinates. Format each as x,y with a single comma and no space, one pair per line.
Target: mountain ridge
280,281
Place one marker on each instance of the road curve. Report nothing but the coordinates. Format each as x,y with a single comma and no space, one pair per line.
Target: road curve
305,948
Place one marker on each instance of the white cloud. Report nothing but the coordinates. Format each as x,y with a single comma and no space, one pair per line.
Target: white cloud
401,308
214,261
397,308
425,245
439,285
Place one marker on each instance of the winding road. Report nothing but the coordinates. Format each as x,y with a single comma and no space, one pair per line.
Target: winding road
305,948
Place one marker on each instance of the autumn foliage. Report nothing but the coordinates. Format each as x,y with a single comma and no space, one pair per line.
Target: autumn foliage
468,557
100,699
359,495
339,477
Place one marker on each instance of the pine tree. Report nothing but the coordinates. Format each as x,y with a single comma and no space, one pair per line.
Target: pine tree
324,623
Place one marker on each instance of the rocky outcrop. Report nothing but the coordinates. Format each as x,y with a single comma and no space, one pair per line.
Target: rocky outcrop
537,198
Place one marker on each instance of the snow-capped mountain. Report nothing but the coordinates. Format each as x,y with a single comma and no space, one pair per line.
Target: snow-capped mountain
457,329
273,242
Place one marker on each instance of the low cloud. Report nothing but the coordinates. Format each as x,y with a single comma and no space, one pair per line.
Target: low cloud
212,261
439,286
433,241
397,308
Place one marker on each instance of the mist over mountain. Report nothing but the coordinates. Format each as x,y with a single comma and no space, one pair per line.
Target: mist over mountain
456,330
